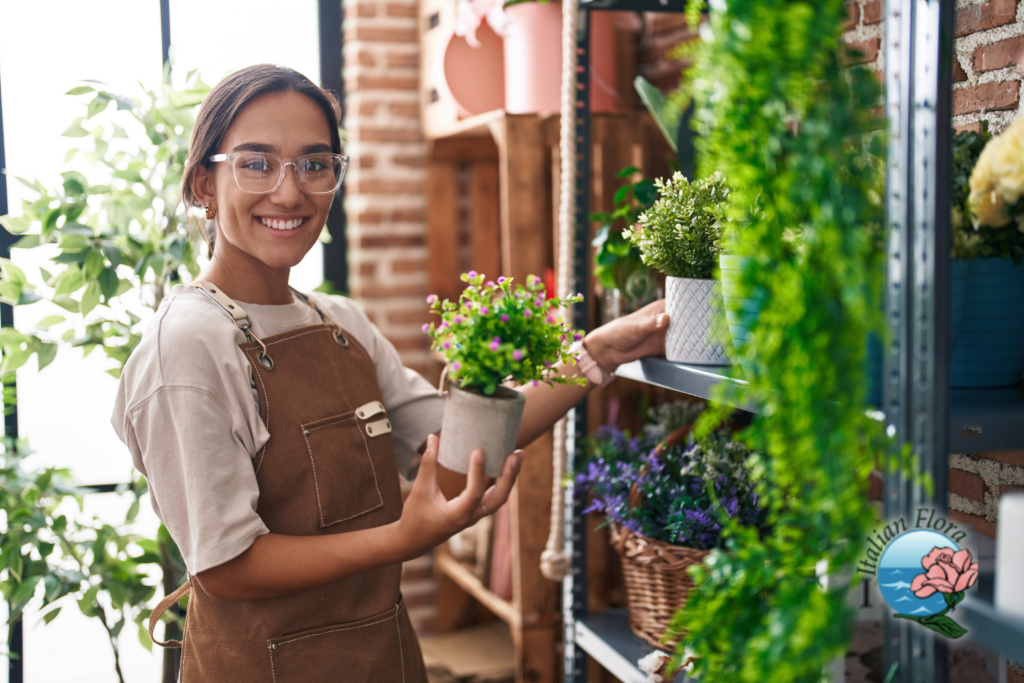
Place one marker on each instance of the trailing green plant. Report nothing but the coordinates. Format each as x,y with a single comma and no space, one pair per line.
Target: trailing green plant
967,146
996,199
618,263
119,240
783,114
680,234
496,333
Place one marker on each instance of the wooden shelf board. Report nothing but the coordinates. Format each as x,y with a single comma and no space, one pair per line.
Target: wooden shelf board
474,126
470,583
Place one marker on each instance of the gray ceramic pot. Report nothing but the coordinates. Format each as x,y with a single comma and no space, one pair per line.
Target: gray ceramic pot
472,421
696,327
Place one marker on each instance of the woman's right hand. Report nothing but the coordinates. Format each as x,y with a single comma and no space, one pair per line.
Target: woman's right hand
428,518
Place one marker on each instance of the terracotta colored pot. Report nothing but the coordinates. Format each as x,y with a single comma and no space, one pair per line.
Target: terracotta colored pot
533,58
473,78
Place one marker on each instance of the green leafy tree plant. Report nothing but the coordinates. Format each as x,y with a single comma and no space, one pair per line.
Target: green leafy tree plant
618,264
784,116
680,234
119,244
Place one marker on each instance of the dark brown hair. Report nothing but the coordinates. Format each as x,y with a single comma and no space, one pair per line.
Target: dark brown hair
222,104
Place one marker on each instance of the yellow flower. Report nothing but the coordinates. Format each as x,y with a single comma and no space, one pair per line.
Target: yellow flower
1007,162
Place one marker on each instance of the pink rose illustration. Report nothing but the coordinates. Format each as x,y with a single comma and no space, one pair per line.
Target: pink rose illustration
946,571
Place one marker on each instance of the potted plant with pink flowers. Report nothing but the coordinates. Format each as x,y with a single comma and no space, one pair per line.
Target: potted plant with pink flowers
496,333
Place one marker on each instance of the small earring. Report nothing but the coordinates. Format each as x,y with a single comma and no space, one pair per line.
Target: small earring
210,214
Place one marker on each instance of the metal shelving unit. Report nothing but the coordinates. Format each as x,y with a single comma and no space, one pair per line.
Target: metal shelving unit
919,407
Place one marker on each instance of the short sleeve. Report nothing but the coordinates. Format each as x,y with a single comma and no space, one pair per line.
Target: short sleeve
200,473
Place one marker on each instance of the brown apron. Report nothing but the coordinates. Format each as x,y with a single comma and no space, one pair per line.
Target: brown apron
328,468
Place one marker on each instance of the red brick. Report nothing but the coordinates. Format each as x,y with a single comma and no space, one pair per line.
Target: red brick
408,216
366,9
987,96
1008,457
364,161
389,241
998,55
394,9
381,35
967,485
976,127
367,108
367,134
869,50
369,216
853,9
985,16
405,109
874,12
379,186
409,343
407,265
381,83
403,60
408,160
981,525
959,75
413,317
1010,488
367,269
364,58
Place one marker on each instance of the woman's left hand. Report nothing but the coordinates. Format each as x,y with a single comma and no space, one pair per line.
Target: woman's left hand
630,337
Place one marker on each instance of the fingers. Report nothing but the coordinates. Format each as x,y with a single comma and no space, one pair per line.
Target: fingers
428,463
497,494
464,506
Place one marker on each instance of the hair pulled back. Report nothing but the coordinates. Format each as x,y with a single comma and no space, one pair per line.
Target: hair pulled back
223,103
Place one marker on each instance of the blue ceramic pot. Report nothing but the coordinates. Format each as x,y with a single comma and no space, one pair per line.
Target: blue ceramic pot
958,296
989,349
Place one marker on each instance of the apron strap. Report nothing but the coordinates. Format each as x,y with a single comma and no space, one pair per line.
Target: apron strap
238,316
165,604
339,335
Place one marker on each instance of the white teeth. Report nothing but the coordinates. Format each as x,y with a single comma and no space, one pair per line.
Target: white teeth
282,225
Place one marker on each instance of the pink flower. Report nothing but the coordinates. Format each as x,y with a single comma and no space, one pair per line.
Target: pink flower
456,365
527,313
946,571
517,354
432,298
577,336
426,327
458,319
538,303
485,310
447,345
490,283
504,318
471,274
495,343
501,280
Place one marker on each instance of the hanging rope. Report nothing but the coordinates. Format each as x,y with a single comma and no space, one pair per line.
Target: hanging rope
554,563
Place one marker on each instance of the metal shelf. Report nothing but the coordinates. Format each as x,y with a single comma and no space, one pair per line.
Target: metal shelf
984,420
994,629
695,380
607,638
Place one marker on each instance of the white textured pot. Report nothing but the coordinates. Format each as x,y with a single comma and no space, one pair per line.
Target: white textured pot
474,421
696,327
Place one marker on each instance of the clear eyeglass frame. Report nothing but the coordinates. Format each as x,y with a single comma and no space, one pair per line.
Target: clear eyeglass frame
284,163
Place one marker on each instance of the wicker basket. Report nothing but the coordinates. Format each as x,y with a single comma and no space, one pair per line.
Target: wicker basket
657,583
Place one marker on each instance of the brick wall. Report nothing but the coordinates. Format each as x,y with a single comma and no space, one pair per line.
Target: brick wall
385,187
385,198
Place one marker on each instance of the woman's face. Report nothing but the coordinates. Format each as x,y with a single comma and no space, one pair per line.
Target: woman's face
276,229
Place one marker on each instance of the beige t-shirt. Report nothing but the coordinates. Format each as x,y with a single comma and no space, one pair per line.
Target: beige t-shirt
188,410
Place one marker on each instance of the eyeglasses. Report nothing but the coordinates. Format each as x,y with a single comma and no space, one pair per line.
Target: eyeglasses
258,173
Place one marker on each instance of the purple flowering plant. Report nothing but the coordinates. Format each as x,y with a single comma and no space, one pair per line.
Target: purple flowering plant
688,494
497,332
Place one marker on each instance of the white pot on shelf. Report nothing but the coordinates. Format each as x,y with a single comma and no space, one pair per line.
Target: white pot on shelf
472,420
696,330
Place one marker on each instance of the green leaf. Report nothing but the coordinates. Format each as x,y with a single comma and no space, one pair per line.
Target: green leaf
70,154
80,90
52,614
133,512
94,264
75,130
627,171
86,602
944,625
91,297
144,638
107,280
621,194
69,305
16,224
49,321
28,296
69,281
27,242
46,354
645,192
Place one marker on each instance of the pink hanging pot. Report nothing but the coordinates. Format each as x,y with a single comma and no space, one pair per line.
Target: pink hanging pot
533,59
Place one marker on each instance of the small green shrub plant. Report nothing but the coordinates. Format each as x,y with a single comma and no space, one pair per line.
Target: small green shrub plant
680,234
782,113
618,263
497,333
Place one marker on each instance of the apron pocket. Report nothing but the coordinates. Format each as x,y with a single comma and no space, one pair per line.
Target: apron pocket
367,650
343,472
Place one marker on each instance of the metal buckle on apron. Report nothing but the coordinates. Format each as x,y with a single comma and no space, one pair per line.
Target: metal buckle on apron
339,336
369,410
238,316
378,428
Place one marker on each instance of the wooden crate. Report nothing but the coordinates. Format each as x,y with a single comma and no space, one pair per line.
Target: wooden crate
492,206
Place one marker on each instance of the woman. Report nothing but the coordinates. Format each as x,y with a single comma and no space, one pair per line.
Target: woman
273,432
